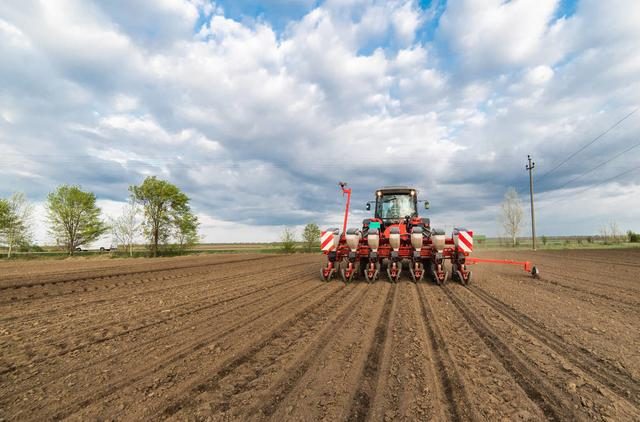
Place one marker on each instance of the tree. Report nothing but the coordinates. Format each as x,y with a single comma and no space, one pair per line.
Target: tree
615,232
17,221
74,218
604,234
288,239
125,228
4,213
511,217
186,232
311,236
164,205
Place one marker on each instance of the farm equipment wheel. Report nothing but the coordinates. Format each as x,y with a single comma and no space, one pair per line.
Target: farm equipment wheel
348,266
439,281
535,272
463,281
371,270
394,269
420,268
336,267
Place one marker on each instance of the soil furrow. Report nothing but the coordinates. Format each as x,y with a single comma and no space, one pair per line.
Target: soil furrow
174,355
240,377
451,383
61,348
112,317
553,404
129,350
40,283
282,388
613,377
363,397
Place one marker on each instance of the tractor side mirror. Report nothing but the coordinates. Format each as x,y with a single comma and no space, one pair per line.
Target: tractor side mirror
426,205
368,206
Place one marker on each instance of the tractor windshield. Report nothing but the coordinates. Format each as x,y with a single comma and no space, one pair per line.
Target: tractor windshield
395,206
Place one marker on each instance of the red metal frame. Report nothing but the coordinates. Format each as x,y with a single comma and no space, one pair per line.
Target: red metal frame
526,265
347,191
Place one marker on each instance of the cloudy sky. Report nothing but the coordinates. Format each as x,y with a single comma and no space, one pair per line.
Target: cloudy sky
258,109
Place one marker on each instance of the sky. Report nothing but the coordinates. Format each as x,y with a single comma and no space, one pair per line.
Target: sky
257,109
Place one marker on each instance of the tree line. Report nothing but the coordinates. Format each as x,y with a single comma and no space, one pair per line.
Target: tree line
157,210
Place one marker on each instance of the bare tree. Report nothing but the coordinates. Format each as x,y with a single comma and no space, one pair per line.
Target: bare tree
125,228
16,229
604,234
511,216
615,232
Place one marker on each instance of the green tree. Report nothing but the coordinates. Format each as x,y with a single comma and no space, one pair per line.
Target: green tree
288,241
4,213
186,232
311,236
74,218
165,206
16,229
544,240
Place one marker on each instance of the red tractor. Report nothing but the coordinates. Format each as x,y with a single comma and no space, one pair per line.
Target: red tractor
395,238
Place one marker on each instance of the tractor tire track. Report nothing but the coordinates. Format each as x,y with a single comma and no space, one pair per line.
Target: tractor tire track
450,383
108,276
280,393
553,403
113,318
602,371
325,390
363,398
98,297
240,376
182,352
132,327
264,293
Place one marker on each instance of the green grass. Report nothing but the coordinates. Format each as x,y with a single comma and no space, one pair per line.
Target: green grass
481,243
555,243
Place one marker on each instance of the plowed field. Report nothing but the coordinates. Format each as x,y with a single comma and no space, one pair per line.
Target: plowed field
259,337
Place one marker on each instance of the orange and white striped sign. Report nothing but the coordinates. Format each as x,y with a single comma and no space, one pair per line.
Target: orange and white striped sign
326,241
464,240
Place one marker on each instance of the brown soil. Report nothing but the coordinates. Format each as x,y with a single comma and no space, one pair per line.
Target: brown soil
259,337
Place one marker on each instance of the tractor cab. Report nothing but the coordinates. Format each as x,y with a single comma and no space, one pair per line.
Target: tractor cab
395,204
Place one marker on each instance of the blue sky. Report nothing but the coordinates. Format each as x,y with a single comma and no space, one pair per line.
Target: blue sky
257,109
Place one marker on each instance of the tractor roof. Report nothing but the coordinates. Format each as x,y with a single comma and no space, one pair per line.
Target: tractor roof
396,189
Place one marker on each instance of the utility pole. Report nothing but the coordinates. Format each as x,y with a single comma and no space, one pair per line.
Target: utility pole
530,168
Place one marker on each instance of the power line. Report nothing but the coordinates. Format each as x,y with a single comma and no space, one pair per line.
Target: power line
624,173
599,165
589,144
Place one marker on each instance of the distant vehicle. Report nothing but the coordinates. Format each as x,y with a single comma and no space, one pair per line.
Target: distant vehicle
101,249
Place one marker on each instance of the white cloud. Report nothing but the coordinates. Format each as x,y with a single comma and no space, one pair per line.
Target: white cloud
494,34
257,124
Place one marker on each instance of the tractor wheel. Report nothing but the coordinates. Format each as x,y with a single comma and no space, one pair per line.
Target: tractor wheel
535,272
398,268
331,273
344,267
413,274
369,276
